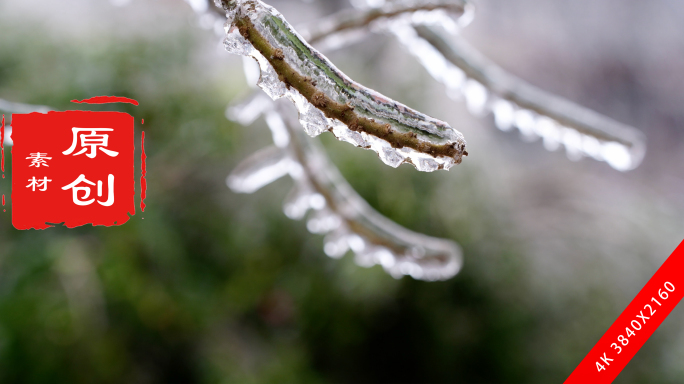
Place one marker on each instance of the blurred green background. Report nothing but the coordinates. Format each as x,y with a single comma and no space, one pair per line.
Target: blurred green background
207,286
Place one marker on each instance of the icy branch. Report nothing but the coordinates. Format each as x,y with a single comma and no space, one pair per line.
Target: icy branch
485,86
328,100
515,103
10,107
347,26
338,211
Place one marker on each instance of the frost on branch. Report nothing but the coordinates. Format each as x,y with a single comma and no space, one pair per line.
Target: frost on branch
327,100
337,211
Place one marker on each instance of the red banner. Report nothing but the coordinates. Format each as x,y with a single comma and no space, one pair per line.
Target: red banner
73,167
635,325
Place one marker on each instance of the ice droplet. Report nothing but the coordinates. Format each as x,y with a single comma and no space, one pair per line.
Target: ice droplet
248,110
297,203
525,121
591,146
366,257
252,71
236,44
549,132
8,134
503,114
335,243
476,97
427,165
199,6
617,156
356,243
391,157
278,130
556,120
323,221
573,144
260,169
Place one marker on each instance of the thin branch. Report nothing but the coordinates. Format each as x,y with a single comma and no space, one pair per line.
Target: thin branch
487,87
514,103
349,20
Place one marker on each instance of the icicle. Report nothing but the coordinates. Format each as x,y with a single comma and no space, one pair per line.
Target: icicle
467,74
526,121
300,200
454,78
278,130
350,223
549,131
8,133
449,60
323,221
504,112
252,71
248,110
262,168
591,147
199,6
618,156
476,97
335,244
573,144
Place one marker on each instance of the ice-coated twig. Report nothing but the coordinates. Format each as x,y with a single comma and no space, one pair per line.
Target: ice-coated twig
337,210
13,107
209,16
514,103
485,86
9,107
349,25
327,100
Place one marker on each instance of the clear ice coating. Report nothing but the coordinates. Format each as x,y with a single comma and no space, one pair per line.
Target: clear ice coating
348,26
332,208
10,107
351,224
318,70
260,169
556,121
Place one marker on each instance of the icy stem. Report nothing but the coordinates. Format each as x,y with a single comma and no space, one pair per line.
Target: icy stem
260,169
348,26
515,104
327,100
330,205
